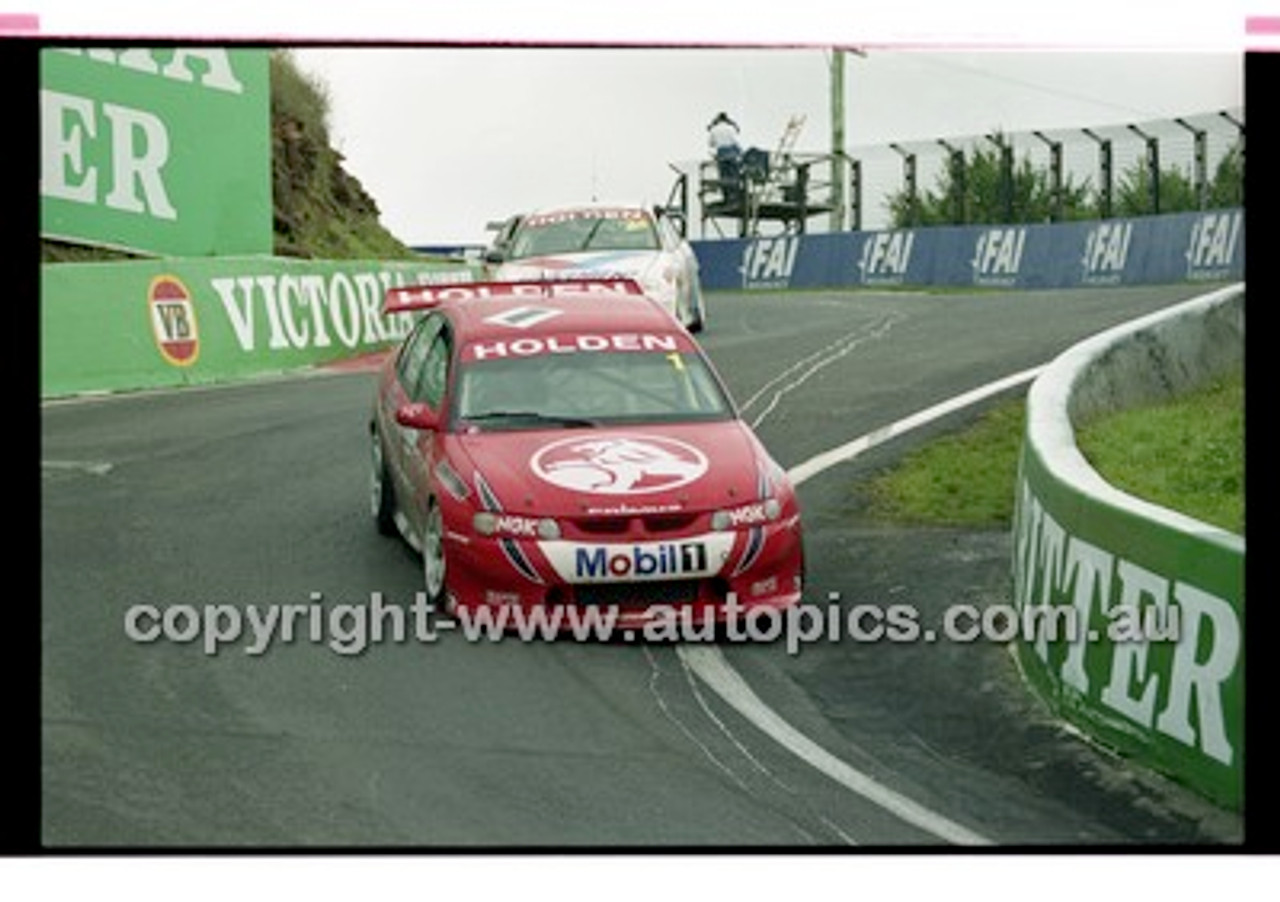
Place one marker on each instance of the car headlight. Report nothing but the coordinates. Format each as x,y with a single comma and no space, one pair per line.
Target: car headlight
752,514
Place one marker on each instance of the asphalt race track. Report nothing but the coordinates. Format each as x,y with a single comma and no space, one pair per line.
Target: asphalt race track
256,494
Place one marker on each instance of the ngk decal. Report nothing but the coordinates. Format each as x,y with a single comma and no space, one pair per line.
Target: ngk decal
749,514
619,465
173,320
512,525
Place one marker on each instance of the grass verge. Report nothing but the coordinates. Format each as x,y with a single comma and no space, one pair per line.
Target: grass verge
1186,454
965,478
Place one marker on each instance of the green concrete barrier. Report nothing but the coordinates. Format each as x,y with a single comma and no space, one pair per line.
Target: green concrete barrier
1138,610
121,326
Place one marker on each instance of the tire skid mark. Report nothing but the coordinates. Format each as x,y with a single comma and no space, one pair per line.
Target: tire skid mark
724,730
89,467
655,673
719,763
810,365
755,762
711,667
825,349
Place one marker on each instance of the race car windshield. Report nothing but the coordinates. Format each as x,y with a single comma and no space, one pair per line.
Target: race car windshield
542,236
587,389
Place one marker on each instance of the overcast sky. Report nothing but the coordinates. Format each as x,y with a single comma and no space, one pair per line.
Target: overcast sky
447,139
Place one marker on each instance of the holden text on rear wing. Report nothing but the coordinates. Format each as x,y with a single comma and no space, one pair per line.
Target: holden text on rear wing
423,297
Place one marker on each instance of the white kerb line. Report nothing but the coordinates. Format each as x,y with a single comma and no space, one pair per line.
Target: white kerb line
714,669
813,466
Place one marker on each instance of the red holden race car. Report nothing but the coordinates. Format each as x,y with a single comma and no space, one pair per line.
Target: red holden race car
567,443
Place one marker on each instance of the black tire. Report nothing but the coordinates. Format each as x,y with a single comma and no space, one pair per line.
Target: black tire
699,320
434,567
382,496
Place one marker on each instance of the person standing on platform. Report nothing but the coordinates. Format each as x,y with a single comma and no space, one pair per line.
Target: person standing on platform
722,138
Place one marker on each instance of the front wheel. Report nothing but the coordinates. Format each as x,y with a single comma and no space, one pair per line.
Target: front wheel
382,499
697,312
433,559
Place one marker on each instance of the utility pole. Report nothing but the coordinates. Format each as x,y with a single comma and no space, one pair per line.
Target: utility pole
837,139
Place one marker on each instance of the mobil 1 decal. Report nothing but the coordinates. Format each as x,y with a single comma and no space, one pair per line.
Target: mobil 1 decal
173,320
620,464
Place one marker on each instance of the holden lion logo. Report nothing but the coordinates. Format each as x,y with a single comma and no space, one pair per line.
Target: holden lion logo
619,465
173,320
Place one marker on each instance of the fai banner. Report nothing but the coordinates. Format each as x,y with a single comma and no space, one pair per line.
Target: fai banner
160,151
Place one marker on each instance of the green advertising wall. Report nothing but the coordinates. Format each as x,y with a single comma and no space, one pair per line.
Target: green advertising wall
162,151
1148,604
148,324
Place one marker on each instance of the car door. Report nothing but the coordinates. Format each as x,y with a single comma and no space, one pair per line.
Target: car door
422,446
681,254
400,442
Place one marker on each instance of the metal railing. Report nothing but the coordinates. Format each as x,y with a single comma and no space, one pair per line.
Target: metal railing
1100,161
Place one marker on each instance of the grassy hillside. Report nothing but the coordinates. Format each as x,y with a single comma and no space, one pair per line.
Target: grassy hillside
321,210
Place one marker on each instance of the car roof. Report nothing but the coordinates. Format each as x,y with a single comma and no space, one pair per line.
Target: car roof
589,311
591,207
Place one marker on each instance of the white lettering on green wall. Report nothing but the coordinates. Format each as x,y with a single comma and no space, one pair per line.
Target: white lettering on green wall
205,67
139,150
291,312
1178,693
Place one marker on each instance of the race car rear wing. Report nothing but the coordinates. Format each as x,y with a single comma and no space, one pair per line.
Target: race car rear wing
424,297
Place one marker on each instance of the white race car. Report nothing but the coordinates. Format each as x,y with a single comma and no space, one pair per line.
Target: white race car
601,240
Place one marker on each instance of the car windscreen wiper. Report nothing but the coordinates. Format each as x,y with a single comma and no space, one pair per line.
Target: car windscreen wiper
591,234
532,416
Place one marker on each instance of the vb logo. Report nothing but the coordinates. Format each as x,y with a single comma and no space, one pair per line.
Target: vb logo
173,320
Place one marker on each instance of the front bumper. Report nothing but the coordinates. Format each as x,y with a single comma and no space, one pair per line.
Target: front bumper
712,577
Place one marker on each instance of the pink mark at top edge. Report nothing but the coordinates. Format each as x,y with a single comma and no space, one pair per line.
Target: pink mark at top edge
1262,25
19,23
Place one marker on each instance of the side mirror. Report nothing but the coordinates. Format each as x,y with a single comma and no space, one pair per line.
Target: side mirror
493,255
417,416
